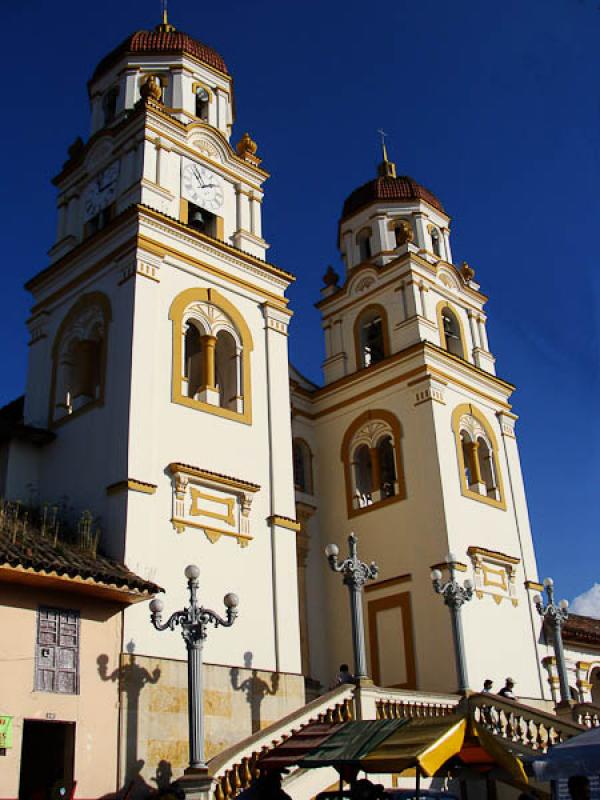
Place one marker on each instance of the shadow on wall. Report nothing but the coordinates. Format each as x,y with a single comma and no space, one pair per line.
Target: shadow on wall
136,787
255,689
132,679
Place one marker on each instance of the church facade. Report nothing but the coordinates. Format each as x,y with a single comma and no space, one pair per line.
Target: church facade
159,365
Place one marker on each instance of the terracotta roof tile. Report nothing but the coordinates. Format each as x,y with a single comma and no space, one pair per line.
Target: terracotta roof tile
386,189
159,41
582,629
33,551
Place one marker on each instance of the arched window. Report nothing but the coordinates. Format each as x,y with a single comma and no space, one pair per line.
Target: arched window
451,333
371,337
477,453
372,461
435,242
211,354
202,98
363,241
109,104
79,356
302,456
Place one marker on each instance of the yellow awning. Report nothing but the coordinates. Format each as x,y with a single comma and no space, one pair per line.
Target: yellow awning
428,743
512,764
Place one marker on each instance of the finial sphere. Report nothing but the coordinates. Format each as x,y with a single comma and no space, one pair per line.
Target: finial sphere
192,572
156,605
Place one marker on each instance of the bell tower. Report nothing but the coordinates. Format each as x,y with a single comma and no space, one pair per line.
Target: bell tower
159,359
411,444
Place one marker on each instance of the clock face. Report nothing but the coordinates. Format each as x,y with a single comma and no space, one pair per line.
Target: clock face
201,186
101,191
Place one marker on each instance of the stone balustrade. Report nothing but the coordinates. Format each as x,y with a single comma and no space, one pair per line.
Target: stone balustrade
587,714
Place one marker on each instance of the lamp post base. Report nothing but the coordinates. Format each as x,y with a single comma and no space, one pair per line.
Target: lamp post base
195,784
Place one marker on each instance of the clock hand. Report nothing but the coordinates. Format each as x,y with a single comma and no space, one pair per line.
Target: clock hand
198,176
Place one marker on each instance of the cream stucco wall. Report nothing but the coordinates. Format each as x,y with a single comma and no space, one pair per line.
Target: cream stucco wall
95,710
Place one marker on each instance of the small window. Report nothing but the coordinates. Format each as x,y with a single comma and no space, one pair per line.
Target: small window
109,104
363,240
202,220
302,466
403,233
467,456
202,101
486,467
363,476
370,332
193,361
57,651
387,467
435,242
227,366
451,339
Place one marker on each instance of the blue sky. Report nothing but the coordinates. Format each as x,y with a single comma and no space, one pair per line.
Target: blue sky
492,105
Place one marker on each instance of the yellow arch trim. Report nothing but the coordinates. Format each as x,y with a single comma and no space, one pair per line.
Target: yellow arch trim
362,419
468,408
439,309
176,312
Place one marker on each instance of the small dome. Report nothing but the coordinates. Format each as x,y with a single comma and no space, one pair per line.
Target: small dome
163,39
388,189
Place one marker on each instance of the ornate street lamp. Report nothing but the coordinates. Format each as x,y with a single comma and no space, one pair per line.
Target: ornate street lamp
455,596
355,573
194,620
557,614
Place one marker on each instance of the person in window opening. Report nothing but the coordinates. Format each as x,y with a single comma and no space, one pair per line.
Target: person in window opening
487,686
507,689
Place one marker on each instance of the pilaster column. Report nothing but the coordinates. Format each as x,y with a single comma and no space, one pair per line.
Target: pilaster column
375,475
446,236
411,297
208,345
473,455
349,249
423,297
483,334
420,225
473,328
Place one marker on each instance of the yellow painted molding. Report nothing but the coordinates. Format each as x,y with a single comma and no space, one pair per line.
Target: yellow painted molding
387,583
216,477
534,586
493,554
284,522
212,534
197,511
131,485
442,565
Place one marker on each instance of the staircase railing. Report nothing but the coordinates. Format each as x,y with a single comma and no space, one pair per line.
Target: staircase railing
235,768
587,714
524,726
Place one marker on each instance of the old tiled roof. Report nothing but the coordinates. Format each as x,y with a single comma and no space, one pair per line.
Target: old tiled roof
582,629
31,550
160,42
386,189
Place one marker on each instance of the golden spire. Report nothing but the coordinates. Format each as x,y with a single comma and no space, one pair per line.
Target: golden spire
164,27
387,168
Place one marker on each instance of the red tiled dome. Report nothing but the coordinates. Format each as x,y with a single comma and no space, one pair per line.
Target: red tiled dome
386,189
161,41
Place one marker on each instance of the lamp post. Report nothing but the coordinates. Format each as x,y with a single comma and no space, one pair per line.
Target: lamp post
194,620
355,573
455,596
557,614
